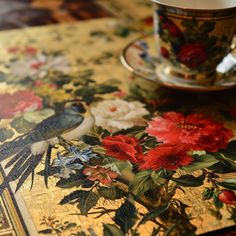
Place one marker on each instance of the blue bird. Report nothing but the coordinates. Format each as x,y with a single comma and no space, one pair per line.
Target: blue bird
28,150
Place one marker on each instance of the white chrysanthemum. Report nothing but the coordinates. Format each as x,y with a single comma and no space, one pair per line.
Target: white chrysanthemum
38,66
118,114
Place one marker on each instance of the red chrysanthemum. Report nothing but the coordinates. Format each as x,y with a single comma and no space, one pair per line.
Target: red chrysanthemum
201,132
168,156
172,28
123,147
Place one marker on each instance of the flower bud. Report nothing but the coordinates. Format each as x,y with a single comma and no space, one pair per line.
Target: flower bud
227,196
208,193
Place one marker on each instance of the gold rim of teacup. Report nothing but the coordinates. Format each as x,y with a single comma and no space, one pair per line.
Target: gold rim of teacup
233,8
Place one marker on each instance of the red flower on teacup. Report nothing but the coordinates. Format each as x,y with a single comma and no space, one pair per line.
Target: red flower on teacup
172,28
18,102
192,54
165,53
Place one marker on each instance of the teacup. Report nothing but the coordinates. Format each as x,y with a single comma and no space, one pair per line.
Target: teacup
193,36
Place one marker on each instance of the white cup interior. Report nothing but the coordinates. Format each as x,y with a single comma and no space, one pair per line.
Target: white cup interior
199,4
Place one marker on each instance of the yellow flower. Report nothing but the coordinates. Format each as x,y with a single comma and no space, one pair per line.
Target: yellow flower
59,95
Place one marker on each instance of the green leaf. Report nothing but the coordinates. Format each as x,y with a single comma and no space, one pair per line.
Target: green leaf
122,31
150,142
70,225
75,180
216,214
123,166
230,150
170,229
207,26
156,231
21,125
70,198
217,203
134,130
233,215
141,183
212,41
86,200
189,24
111,193
156,177
231,147
155,213
200,162
189,180
126,216
5,134
165,174
228,183
112,230
207,193
45,231
103,89
91,140
225,164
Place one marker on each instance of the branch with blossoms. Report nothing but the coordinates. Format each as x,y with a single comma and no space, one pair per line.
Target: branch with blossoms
147,165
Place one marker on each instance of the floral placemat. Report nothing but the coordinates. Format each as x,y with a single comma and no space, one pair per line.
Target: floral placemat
152,160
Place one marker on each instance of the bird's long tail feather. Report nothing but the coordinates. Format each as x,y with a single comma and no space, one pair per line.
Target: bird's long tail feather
23,164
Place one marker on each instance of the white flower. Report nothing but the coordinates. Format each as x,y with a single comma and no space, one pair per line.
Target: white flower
118,114
38,66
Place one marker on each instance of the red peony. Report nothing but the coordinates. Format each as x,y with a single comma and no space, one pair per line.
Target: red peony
168,156
201,132
18,102
192,55
123,147
103,175
165,53
227,196
172,28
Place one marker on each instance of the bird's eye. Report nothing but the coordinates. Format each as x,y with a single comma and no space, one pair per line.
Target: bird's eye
79,108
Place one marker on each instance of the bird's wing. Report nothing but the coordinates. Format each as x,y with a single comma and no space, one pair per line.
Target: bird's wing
24,161
51,127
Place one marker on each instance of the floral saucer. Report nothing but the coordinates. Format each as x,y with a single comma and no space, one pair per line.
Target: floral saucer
140,57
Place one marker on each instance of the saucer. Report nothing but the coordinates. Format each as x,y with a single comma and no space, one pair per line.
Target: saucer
140,57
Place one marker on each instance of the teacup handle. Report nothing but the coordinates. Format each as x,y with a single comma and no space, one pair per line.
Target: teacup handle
233,45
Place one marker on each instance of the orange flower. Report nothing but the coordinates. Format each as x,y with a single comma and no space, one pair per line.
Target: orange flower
103,175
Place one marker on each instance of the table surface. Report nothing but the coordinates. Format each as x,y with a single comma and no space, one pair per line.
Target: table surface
77,56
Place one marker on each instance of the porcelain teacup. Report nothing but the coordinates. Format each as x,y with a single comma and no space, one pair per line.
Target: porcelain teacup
194,36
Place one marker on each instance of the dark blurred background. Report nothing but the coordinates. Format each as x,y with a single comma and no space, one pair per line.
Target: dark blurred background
22,13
